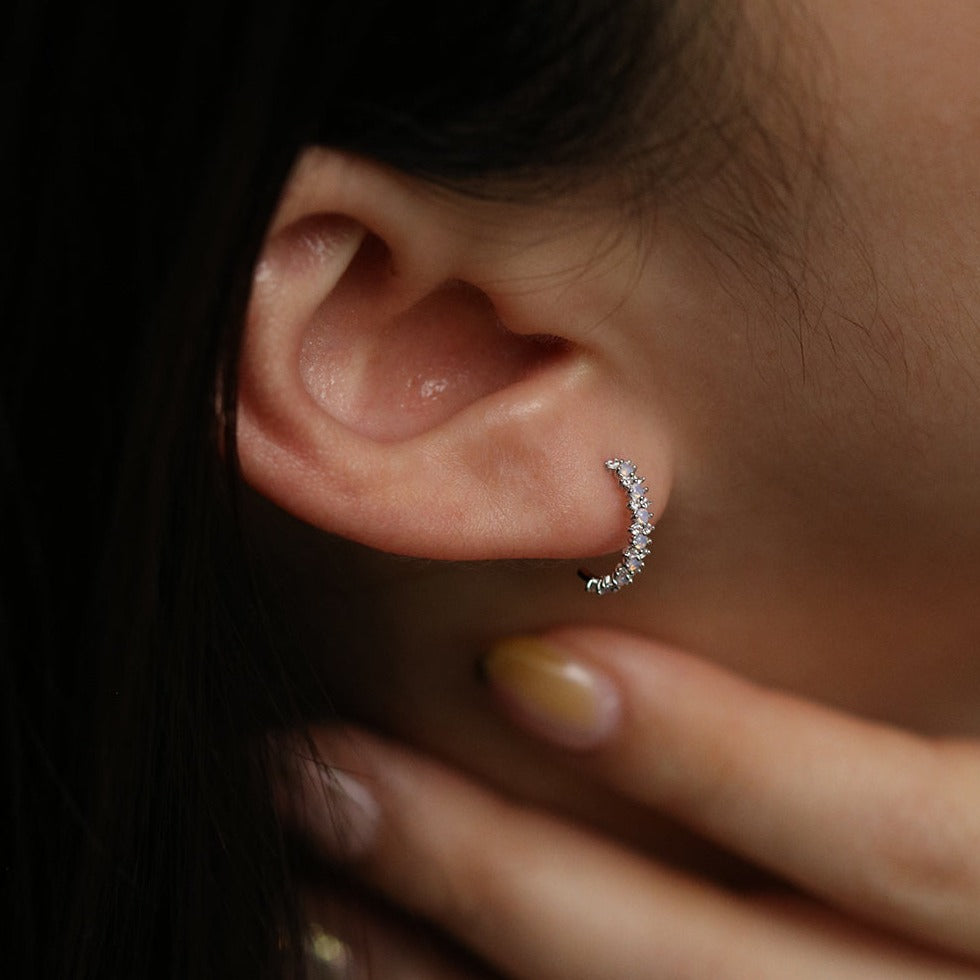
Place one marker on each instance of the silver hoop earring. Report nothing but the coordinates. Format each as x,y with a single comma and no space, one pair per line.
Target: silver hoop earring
641,527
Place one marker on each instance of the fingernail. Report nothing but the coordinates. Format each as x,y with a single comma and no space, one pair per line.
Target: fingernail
338,811
552,694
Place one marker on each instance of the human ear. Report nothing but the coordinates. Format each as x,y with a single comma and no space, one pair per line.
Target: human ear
397,389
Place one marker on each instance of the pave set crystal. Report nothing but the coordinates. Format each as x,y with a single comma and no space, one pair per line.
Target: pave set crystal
640,530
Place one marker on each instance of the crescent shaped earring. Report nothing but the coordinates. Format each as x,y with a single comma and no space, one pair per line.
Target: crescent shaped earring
640,529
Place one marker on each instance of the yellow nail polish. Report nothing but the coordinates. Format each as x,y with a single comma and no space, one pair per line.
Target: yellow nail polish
551,693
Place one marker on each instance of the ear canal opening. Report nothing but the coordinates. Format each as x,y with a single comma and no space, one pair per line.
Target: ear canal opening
391,367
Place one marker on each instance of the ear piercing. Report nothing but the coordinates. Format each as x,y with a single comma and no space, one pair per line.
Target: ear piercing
640,529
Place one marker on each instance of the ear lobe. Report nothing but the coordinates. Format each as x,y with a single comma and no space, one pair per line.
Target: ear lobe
382,399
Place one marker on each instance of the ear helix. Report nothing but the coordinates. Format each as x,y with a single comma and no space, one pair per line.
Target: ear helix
641,527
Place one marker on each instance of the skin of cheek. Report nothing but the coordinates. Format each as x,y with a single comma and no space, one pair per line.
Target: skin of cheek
884,306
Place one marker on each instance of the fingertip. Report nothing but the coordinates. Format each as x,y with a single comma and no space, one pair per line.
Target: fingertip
333,807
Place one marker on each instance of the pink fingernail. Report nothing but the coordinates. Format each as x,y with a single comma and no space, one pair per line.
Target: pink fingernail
338,811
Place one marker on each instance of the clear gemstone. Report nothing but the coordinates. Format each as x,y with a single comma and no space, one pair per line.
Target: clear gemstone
622,577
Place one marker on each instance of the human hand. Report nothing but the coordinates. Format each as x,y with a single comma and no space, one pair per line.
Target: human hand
877,829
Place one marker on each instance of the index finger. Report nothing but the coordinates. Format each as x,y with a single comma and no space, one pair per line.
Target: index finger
878,821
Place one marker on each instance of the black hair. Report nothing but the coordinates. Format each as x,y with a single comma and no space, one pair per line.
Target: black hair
144,152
